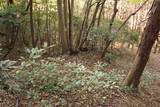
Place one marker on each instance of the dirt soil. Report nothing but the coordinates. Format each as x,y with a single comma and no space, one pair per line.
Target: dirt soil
146,97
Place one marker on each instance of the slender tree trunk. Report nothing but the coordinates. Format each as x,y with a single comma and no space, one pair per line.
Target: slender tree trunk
70,36
47,25
32,24
39,28
61,26
108,42
150,34
65,12
68,6
91,24
100,13
84,23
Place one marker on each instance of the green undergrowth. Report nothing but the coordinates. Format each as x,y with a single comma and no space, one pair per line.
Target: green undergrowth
35,77
149,78
32,77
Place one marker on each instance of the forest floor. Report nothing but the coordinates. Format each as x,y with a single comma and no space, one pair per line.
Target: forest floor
147,96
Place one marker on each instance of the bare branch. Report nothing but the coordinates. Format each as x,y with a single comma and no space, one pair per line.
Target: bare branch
114,14
98,2
132,14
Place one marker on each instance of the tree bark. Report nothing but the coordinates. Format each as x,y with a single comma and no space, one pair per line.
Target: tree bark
100,13
92,23
65,12
84,23
32,24
61,26
108,42
70,11
47,25
149,35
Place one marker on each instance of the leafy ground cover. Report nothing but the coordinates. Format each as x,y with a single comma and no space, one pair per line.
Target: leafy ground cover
78,81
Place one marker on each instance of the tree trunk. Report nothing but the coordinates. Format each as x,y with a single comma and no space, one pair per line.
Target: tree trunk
61,27
65,12
149,35
84,23
47,25
70,11
108,42
10,2
32,24
100,13
91,24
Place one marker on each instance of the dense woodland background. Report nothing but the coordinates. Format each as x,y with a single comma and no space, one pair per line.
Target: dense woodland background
30,26
79,53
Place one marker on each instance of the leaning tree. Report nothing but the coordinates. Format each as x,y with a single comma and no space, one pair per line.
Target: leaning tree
149,36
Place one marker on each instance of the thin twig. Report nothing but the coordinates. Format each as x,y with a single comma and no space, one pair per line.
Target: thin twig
100,3
132,14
